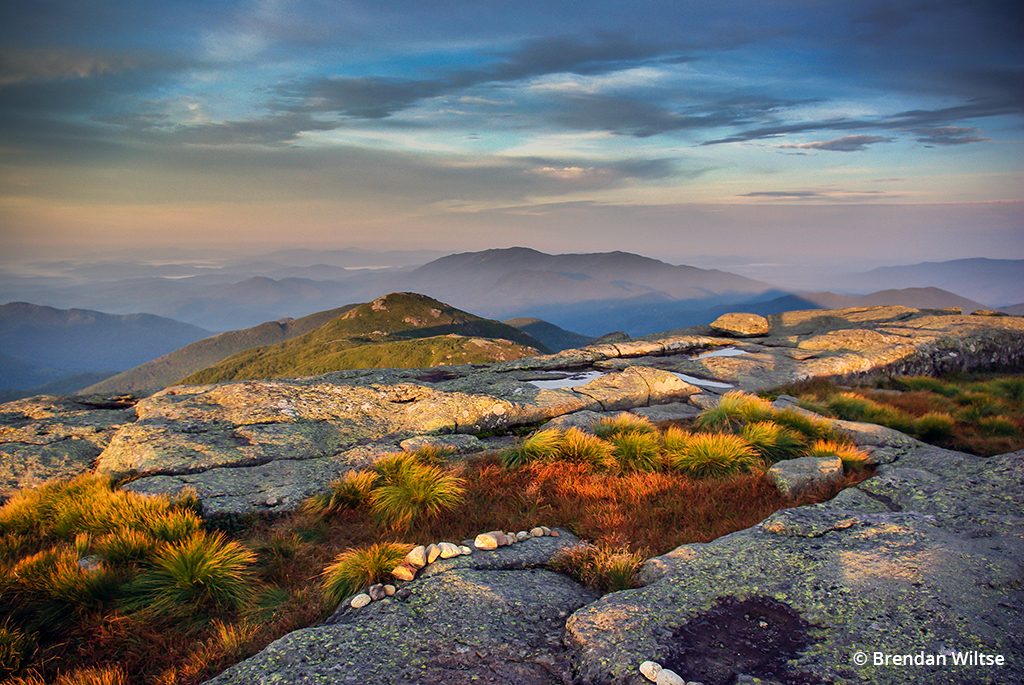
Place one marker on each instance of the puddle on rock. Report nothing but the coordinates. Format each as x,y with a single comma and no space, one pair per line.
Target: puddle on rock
573,381
721,352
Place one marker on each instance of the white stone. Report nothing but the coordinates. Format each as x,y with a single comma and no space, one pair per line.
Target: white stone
360,600
404,572
448,550
547,531
650,670
522,535
488,540
465,550
537,532
417,557
669,677
433,552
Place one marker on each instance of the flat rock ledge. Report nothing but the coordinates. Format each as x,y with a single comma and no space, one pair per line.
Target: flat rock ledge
261,447
492,617
924,557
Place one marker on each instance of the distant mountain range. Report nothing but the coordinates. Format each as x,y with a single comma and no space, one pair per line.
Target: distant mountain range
46,346
996,282
554,338
400,330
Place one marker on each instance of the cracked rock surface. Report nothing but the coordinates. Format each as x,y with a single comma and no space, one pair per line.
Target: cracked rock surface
927,555
492,617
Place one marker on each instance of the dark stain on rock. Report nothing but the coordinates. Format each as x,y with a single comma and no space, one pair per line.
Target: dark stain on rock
754,636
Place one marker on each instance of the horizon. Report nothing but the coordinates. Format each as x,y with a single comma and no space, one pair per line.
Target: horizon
848,135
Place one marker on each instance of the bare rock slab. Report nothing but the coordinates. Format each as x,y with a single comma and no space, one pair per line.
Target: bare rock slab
794,477
466,625
741,325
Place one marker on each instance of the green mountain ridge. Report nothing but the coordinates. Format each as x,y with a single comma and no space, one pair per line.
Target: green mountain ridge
400,330
172,367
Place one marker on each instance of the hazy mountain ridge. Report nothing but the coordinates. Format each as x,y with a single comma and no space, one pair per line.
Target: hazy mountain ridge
553,337
43,345
995,282
400,330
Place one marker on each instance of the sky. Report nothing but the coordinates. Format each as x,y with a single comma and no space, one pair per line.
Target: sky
783,132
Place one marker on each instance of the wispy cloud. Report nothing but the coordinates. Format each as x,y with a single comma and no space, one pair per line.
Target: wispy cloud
844,144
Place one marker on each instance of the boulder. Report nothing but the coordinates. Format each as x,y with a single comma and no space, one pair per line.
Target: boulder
636,386
741,325
795,477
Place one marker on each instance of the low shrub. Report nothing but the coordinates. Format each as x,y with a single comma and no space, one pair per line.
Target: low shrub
934,427
928,384
772,441
357,568
582,447
853,458
193,578
711,455
544,445
853,407
734,409
15,649
601,567
412,491
998,426
347,492
636,450
623,423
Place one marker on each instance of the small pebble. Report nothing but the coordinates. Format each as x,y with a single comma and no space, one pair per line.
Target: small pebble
433,552
466,549
417,557
555,534
547,531
376,592
522,535
360,600
389,590
668,677
488,540
650,670
449,550
404,572
537,532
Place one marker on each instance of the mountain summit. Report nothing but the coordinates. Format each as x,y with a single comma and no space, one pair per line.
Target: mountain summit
400,330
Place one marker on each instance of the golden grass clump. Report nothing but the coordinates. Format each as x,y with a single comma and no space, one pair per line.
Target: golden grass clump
636,450
348,492
409,490
601,567
360,567
544,445
200,576
715,455
581,447
623,423
853,457
772,441
734,409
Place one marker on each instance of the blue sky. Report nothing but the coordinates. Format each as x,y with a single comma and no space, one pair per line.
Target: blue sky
807,130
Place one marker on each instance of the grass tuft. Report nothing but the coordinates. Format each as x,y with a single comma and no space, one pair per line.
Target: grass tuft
347,492
714,455
934,426
413,491
15,649
734,409
358,568
194,578
772,441
544,445
853,457
636,450
582,447
601,567
623,423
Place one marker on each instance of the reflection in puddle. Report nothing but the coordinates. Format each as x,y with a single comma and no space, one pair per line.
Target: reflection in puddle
721,352
703,381
573,381
581,379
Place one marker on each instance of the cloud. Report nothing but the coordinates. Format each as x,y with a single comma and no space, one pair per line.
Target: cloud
373,97
949,135
831,195
844,144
